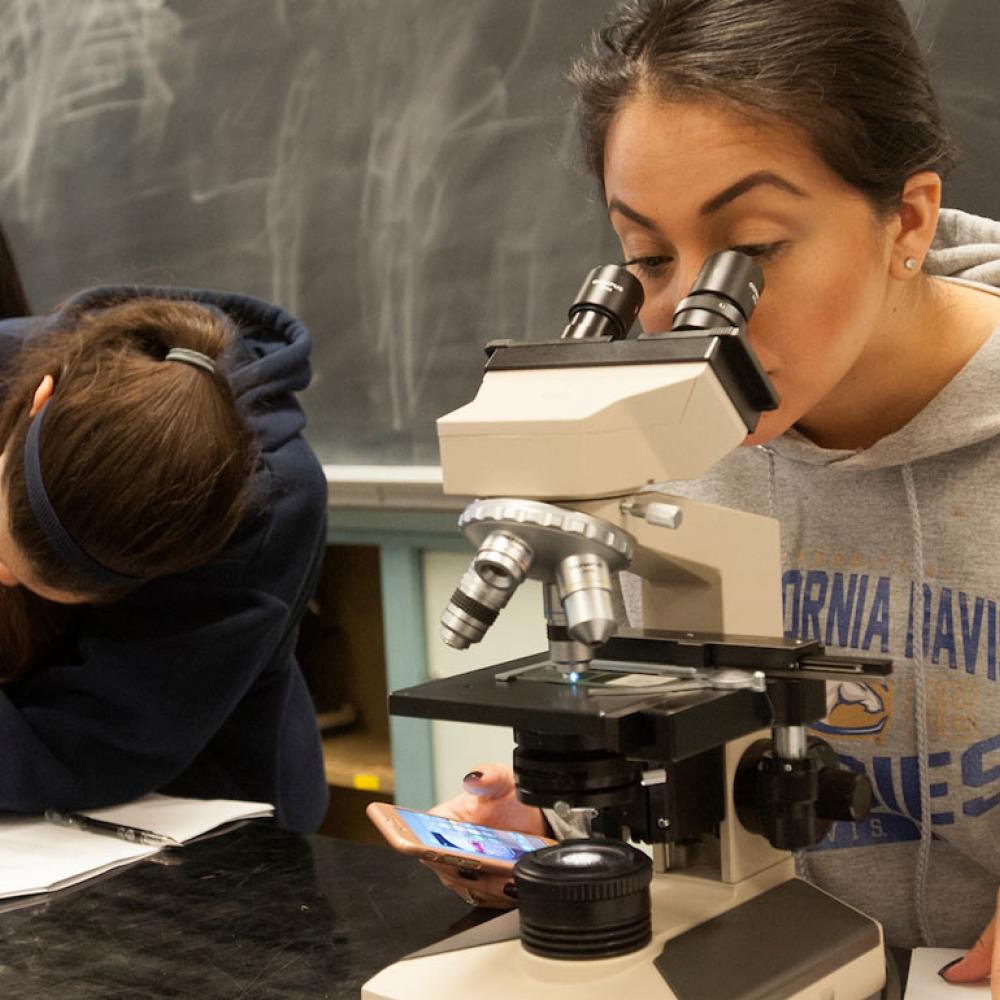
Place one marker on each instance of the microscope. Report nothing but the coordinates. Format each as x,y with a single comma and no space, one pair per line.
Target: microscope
688,735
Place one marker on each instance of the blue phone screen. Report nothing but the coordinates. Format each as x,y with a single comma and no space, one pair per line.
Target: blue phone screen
467,838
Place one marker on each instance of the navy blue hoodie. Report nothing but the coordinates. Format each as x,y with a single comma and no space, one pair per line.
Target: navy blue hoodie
189,686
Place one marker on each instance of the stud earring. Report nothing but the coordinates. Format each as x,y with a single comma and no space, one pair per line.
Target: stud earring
910,263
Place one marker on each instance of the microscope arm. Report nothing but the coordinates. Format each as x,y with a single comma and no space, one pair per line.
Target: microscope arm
717,571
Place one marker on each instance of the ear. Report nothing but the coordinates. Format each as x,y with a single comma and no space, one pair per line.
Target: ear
42,394
915,223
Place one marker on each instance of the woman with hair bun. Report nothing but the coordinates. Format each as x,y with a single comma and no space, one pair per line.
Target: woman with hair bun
162,525
807,135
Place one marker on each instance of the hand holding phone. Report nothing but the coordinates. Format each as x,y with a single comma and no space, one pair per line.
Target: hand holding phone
474,861
464,846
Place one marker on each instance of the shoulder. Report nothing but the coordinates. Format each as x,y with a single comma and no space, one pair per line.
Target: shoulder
290,484
284,528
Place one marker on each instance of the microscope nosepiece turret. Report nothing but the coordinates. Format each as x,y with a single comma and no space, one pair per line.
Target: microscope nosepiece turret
575,552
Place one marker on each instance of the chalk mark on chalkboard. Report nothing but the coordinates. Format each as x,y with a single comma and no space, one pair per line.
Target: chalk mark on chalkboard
64,66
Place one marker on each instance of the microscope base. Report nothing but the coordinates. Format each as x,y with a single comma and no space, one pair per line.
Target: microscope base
786,940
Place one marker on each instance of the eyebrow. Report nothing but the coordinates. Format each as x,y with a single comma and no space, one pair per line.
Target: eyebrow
748,183
713,205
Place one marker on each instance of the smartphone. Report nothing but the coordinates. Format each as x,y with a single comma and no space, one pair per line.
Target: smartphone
464,845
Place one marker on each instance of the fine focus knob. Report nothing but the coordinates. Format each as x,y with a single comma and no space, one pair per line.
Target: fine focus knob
843,795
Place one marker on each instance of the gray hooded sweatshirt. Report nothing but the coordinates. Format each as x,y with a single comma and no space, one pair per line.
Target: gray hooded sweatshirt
894,551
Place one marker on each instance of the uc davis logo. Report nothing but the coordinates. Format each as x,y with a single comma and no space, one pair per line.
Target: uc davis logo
855,709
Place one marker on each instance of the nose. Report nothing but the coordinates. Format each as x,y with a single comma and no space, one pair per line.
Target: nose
663,297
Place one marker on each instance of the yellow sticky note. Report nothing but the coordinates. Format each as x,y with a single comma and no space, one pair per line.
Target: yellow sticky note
366,782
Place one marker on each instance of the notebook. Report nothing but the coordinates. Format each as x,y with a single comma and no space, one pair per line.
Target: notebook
40,856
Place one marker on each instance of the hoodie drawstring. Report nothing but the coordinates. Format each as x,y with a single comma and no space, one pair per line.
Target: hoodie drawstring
920,709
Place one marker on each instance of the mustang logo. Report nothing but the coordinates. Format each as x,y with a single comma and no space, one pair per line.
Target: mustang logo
854,709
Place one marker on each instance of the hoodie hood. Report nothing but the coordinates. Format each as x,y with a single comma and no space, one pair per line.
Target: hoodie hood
966,248
270,358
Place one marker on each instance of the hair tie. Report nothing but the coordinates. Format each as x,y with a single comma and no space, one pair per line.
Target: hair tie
60,540
187,356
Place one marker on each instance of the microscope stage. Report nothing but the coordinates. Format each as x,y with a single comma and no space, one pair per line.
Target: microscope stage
673,726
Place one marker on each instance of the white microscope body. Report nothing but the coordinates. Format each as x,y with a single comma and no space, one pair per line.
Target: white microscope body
564,442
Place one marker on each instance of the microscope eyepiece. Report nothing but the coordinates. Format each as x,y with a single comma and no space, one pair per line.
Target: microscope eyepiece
724,294
606,305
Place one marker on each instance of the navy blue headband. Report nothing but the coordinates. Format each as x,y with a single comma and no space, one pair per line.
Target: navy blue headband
58,537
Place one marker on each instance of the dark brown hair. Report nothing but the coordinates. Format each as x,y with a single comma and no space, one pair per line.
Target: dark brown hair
849,73
146,462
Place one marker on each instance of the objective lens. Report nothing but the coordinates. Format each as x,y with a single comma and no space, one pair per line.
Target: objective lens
606,305
725,293
500,564
567,654
584,583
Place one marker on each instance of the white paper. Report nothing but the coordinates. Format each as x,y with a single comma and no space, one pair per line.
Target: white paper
39,856
924,983
180,818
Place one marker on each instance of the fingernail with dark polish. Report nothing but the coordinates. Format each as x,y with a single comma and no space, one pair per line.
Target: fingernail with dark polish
944,968
510,889
473,776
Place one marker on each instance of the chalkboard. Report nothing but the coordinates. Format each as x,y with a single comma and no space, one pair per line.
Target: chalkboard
961,39
401,174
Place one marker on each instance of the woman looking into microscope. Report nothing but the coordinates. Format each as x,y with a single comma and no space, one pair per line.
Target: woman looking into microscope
808,136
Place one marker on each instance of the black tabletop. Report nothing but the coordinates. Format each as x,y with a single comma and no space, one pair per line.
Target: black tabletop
257,913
